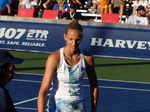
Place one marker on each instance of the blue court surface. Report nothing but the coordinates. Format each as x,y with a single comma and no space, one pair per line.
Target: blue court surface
114,96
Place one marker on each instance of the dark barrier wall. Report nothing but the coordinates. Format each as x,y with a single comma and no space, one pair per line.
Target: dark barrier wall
101,39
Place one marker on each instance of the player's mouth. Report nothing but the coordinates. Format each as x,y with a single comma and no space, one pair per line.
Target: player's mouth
74,47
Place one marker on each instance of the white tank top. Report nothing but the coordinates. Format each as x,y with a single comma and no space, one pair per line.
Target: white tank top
67,80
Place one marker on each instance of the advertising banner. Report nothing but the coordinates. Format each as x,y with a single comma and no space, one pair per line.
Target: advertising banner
28,36
115,42
101,41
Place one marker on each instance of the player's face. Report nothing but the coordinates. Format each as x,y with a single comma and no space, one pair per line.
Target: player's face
73,39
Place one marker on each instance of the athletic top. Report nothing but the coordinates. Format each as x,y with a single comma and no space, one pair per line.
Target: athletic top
67,80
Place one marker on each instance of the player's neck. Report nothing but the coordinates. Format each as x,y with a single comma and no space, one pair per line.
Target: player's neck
71,52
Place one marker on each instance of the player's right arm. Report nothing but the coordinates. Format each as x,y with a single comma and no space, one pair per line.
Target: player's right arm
51,65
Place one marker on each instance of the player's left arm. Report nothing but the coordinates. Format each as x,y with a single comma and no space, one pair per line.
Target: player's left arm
90,70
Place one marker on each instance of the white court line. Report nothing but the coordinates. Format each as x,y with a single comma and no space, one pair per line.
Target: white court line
27,100
29,74
124,81
121,81
26,80
133,89
87,78
99,86
26,108
89,85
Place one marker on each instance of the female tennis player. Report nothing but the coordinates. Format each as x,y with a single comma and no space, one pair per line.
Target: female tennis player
64,73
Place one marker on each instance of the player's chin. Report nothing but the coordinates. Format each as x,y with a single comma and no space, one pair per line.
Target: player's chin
74,48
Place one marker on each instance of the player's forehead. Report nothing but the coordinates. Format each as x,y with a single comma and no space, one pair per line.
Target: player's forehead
73,31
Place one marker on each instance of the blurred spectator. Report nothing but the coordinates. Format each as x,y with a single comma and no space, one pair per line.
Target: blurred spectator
89,4
20,2
61,5
47,4
139,3
148,8
78,3
10,2
31,4
119,7
5,8
94,7
128,8
101,6
72,14
106,6
139,18
28,4
14,4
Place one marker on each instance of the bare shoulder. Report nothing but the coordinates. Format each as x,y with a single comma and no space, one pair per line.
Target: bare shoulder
54,57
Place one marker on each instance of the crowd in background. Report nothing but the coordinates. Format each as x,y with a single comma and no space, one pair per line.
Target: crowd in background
123,7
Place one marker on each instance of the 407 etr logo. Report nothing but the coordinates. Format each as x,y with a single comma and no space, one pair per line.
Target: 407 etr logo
12,33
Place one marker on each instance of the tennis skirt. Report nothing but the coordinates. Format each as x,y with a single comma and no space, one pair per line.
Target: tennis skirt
61,105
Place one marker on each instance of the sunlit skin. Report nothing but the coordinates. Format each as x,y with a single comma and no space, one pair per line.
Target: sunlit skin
73,39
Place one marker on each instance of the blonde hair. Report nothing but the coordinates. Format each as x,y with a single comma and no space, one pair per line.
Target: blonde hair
74,25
